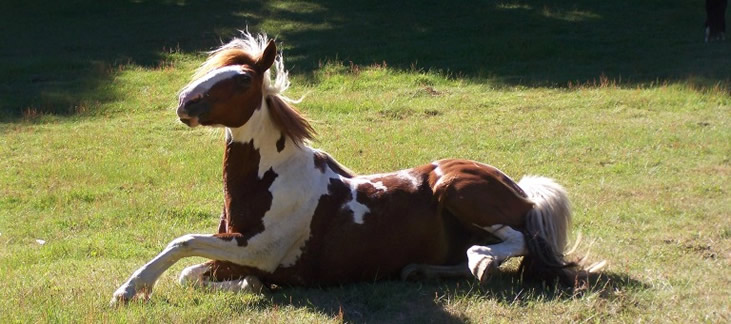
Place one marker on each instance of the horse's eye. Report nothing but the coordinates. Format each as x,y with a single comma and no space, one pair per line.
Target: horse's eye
243,80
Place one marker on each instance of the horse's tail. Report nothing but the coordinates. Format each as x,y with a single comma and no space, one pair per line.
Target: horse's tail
547,228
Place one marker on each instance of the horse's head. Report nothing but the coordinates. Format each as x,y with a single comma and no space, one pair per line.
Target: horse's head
228,90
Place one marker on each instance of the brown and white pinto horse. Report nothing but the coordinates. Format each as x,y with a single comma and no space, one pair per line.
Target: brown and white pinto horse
294,216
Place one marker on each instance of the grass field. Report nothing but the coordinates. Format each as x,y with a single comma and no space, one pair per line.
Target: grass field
620,101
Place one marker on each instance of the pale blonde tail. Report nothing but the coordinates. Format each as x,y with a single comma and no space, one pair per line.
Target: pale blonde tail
546,232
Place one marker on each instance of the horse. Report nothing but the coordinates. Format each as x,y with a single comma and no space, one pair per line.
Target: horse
294,216
715,25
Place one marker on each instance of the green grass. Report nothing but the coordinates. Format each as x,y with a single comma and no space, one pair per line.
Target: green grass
632,116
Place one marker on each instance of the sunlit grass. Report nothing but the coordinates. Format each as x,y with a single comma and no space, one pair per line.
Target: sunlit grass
646,168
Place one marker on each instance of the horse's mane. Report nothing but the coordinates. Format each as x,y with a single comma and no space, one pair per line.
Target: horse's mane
289,120
246,50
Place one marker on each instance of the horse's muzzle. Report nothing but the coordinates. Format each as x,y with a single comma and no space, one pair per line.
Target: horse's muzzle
190,111
191,122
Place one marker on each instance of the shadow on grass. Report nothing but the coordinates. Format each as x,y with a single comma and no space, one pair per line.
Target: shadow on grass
60,57
426,302
544,43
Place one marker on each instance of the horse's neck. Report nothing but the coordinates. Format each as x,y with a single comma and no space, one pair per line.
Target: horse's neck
269,142
254,149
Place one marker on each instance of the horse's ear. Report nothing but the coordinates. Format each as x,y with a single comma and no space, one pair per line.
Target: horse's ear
267,57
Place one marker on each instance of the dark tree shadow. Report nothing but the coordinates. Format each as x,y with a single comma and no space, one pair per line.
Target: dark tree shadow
59,57
532,43
424,302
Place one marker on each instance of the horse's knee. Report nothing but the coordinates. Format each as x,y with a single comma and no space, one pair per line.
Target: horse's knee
194,275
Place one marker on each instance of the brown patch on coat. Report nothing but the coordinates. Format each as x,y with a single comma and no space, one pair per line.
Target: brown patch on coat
281,143
247,197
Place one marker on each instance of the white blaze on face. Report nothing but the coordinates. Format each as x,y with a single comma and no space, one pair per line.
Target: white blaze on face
200,86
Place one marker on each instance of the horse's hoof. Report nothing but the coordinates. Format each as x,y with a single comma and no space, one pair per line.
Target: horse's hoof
125,293
120,298
484,268
252,284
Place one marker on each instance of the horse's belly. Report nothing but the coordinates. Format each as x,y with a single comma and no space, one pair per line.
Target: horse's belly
381,246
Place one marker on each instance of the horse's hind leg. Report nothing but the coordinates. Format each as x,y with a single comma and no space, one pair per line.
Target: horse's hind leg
483,260
480,196
218,275
431,272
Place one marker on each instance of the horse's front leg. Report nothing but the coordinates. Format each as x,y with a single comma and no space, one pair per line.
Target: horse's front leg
220,275
217,247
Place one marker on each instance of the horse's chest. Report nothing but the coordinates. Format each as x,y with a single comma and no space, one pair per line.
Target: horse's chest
247,200
274,214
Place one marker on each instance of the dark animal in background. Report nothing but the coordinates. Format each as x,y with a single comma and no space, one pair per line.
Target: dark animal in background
716,20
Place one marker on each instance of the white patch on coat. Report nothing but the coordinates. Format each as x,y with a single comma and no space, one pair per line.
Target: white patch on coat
513,244
439,173
379,186
408,178
437,170
261,130
296,192
404,175
200,86
359,210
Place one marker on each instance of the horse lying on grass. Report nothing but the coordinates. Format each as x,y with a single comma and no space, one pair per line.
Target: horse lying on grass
295,216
